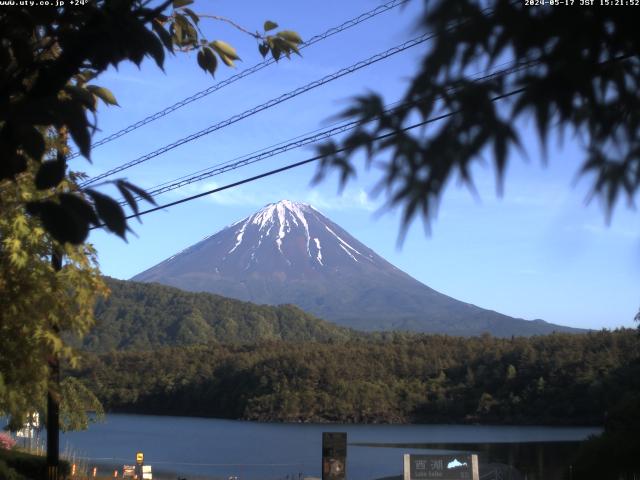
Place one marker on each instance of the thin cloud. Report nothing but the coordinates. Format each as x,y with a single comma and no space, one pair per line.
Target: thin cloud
354,199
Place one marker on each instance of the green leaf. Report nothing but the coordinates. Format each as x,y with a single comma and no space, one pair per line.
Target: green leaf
226,60
269,25
110,212
82,95
290,36
51,173
184,31
85,76
224,50
181,3
176,30
103,94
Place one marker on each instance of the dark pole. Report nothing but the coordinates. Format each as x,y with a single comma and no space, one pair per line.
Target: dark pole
53,405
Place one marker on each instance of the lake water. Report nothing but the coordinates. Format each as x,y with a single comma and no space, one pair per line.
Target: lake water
199,447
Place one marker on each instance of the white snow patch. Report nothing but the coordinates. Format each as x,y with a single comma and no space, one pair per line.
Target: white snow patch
342,241
278,215
239,237
347,251
319,255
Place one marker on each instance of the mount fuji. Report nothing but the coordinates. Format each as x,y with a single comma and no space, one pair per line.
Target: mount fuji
288,252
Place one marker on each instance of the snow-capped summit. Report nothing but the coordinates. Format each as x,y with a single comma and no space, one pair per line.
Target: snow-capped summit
288,252
282,241
300,230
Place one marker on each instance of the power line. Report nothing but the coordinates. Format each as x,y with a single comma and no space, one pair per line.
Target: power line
302,140
273,102
305,162
249,71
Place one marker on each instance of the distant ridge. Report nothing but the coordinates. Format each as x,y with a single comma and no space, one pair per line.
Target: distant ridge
288,252
140,316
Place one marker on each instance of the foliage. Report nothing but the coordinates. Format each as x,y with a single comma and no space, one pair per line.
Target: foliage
6,441
30,466
37,304
583,79
8,473
49,56
614,454
385,378
76,401
147,316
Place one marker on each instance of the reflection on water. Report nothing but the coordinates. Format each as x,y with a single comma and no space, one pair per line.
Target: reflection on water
193,447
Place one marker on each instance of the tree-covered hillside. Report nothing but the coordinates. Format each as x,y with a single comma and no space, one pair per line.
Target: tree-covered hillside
555,379
145,316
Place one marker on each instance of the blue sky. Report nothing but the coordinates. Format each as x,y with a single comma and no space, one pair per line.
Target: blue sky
535,252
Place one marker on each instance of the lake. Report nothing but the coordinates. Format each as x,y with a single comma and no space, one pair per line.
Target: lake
200,447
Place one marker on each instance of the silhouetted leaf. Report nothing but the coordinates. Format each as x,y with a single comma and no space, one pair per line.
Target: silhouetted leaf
138,191
110,212
51,173
181,3
128,196
164,36
11,165
62,223
74,117
192,14
30,140
79,207
152,45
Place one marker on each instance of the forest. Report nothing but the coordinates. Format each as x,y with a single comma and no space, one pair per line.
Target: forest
554,379
143,316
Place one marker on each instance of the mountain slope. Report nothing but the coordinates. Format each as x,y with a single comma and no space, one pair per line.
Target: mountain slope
142,316
289,252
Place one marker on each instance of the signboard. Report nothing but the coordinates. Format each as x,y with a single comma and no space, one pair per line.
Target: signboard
334,455
139,457
446,467
128,471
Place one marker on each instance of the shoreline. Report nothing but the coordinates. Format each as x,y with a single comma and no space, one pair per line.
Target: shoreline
319,421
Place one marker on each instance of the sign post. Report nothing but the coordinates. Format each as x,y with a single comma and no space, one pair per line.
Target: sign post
334,455
53,401
446,467
139,463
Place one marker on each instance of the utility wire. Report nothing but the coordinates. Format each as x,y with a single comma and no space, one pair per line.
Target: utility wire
264,106
244,73
307,161
302,140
